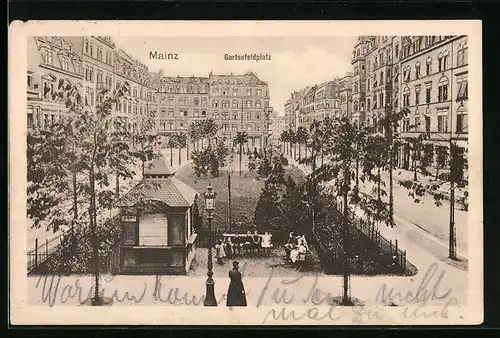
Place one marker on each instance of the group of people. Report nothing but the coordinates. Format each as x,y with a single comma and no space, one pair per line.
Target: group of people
235,245
296,249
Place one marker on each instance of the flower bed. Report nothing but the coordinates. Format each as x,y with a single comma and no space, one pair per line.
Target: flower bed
365,257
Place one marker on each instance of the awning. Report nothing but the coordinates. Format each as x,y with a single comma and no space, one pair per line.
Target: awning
407,75
462,91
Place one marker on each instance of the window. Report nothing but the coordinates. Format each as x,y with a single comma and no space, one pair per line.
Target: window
428,66
406,74
163,113
462,57
462,90
462,123
235,91
259,92
417,123
47,57
203,113
427,124
417,70
170,100
249,92
215,103
215,91
235,104
235,116
234,127
185,113
440,62
203,101
249,103
215,115
86,46
442,122
443,90
417,95
196,101
406,97
257,103
249,127
428,91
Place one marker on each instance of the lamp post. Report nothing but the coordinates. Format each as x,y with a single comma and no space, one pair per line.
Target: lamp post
210,283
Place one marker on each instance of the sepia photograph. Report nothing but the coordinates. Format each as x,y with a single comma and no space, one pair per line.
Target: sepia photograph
278,178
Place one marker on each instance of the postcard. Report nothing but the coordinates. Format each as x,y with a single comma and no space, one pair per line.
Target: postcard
245,173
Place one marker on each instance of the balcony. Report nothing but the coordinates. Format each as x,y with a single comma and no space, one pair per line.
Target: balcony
103,86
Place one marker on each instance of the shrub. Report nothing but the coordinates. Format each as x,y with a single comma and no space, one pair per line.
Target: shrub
75,254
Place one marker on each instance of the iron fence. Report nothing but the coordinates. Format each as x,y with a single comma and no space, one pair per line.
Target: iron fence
42,251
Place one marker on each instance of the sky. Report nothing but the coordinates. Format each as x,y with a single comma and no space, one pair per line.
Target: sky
296,62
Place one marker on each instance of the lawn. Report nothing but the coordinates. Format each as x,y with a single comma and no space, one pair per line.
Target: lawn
245,191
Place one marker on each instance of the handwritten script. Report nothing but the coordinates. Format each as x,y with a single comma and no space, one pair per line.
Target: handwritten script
290,299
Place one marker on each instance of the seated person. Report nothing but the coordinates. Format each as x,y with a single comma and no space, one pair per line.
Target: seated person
255,241
294,255
229,247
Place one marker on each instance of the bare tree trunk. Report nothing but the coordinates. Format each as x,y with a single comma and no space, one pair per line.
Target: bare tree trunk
378,182
346,299
240,157
171,157
75,196
229,200
179,156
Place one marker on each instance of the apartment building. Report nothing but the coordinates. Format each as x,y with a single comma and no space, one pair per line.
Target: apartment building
136,103
327,100
345,93
181,100
54,71
434,88
293,107
358,62
240,103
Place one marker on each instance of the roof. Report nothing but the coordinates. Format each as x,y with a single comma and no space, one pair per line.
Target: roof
171,191
158,167
249,78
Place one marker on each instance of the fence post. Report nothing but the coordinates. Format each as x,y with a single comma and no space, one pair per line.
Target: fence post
36,252
46,248
396,246
390,246
404,262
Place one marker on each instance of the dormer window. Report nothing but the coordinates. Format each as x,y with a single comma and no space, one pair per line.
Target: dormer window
47,57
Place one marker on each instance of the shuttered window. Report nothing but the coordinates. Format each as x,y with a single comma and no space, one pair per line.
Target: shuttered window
153,229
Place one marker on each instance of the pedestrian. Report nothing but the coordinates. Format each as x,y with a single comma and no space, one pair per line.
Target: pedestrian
236,291
220,252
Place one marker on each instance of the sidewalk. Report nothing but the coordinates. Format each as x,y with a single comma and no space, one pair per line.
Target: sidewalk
425,216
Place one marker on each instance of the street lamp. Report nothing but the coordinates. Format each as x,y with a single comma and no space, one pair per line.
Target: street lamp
210,283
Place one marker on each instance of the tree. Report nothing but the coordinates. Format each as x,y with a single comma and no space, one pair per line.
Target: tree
199,130
104,142
180,142
294,208
240,139
51,183
292,137
285,137
267,213
172,143
301,138
145,140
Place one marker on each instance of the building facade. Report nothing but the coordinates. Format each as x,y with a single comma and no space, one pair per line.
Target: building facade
293,108
55,70
240,103
345,92
434,87
181,100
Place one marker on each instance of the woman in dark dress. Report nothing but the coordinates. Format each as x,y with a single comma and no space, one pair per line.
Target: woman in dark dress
236,292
